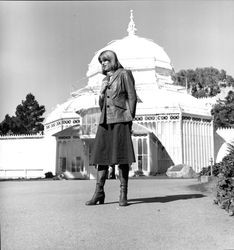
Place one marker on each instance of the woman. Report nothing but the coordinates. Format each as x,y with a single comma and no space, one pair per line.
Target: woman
113,144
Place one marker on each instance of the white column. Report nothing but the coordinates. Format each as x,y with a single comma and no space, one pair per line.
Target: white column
195,145
189,142
198,146
201,145
148,154
207,144
185,131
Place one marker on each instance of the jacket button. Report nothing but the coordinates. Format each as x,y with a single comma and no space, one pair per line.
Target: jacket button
108,96
107,106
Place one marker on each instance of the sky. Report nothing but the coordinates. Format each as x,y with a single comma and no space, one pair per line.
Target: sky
46,46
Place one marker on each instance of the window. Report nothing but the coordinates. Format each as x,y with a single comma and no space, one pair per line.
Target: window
142,154
73,169
145,146
79,164
140,162
62,164
90,121
139,146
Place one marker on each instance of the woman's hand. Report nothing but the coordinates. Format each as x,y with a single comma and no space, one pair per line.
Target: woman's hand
103,88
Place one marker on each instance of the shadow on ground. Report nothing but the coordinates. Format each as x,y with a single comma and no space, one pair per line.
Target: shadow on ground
162,199
165,199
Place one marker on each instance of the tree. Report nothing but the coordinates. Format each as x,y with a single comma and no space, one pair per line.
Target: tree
5,125
223,112
204,82
230,81
27,120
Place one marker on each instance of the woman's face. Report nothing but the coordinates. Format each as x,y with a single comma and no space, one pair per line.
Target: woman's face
106,65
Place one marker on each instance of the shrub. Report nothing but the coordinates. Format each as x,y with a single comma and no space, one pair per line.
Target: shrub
138,173
225,194
49,175
207,170
225,185
225,167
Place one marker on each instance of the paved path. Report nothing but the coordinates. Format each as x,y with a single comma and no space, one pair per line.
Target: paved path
163,214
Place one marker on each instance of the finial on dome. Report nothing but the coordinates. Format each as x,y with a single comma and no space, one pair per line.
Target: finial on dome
131,26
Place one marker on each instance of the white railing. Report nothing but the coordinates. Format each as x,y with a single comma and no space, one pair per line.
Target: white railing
25,136
25,173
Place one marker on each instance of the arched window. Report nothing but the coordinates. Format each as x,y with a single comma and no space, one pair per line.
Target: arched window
139,158
142,156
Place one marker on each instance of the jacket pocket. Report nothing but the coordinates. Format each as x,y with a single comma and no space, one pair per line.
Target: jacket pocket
120,103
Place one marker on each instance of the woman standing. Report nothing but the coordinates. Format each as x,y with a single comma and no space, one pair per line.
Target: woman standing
113,143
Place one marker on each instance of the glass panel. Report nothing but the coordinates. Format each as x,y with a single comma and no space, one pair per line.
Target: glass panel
145,146
79,164
139,146
134,141
82,165
140,162
78,159
90,151
62,163
73,166
142,154
144,163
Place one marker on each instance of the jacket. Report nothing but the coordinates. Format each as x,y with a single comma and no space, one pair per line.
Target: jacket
118,102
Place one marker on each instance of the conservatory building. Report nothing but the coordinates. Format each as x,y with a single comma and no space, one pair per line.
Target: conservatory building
171,126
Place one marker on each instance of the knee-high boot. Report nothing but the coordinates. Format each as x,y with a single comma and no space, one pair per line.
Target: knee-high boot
123,177
99,194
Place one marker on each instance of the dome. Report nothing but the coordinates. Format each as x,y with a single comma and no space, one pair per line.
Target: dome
152,71
133,52
163,100
61,111
83,99
141,55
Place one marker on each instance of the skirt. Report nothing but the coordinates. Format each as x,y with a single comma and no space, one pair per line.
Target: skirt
113,145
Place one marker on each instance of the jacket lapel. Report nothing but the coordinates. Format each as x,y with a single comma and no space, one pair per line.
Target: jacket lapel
114,76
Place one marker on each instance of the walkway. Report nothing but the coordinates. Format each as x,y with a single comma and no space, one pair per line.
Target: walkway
163,214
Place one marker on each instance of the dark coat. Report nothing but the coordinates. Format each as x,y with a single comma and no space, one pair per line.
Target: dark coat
119,100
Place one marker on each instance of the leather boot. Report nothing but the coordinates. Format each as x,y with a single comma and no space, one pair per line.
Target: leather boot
123,177
99,195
